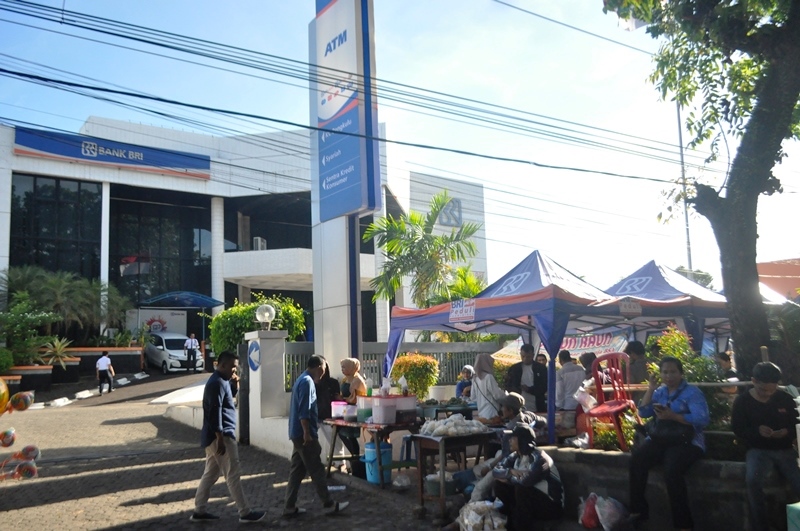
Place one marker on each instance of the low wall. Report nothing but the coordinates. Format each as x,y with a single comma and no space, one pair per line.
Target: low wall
716,488
125,360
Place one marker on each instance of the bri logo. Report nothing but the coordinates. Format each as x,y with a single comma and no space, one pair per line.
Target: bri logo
89,149
633,285
336,42
511,285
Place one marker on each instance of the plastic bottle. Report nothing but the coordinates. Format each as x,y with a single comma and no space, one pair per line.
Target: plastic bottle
369,386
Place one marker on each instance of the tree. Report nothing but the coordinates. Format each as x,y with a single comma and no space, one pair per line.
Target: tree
701,277
412,247
740,60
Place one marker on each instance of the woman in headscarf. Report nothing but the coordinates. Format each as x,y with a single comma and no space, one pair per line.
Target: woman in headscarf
464,385
485,391
353,386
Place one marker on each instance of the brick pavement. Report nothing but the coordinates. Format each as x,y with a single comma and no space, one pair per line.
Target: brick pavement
115,462
111,463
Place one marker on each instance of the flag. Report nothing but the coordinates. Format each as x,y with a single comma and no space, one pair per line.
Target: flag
134,265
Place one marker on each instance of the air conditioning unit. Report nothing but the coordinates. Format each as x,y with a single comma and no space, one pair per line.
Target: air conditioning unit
259,243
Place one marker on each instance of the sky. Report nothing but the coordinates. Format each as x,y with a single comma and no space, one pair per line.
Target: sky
564,82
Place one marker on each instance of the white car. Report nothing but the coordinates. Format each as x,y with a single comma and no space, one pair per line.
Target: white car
165,350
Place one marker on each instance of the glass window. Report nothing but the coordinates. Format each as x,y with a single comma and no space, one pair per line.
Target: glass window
45,188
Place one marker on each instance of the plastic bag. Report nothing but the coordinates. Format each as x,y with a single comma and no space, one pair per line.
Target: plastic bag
585,399
612,514
402,481
580,441
587,512
477,516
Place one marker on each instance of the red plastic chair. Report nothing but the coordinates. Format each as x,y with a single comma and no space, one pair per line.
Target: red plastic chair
619,398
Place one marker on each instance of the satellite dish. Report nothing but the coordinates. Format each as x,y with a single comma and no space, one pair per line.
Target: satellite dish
265,314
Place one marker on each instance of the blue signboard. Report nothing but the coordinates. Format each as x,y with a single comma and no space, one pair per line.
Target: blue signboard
99,151
349,173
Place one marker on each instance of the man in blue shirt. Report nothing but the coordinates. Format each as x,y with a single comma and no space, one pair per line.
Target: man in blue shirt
303,424
218,437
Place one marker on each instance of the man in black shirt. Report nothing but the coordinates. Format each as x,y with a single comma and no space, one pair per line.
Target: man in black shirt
765,417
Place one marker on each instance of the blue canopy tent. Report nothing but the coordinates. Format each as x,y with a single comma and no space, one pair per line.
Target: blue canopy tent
656,291
536,296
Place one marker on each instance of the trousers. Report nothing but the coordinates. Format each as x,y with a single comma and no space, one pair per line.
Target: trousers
105,377
228,466
305,461
759,463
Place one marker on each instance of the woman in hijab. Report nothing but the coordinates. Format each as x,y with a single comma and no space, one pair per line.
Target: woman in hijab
353,386
485,391
464,385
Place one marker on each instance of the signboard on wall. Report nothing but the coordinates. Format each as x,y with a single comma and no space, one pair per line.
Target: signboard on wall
157,319
101,152
349,171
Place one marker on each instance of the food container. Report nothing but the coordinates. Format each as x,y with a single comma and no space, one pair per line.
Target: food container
363,414
337,409
404,403
364,402
350,413
384,412
406,416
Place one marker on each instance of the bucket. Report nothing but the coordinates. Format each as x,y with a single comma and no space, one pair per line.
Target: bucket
371,460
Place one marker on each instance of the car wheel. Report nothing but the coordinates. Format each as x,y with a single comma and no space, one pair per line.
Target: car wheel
164,368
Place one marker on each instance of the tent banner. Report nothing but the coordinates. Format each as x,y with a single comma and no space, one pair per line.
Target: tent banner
598,343
462,310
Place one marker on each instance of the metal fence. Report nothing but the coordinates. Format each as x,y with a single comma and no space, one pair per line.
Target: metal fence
451,357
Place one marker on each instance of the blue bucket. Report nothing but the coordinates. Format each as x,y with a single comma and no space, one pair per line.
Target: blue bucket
371,460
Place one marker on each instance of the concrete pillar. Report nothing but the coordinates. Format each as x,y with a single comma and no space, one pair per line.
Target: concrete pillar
217,251
382,315
105,231
266,350
6,153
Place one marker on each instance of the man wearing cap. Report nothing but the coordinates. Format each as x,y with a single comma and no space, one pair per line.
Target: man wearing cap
528,483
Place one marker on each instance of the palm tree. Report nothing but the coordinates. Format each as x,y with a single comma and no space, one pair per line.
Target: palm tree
413,248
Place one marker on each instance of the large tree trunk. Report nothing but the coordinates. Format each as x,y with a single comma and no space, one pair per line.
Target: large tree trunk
733,217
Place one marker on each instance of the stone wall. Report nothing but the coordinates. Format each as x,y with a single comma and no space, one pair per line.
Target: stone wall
716,488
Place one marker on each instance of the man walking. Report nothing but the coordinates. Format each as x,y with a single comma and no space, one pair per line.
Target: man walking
105,372
190,347
303,424
218,437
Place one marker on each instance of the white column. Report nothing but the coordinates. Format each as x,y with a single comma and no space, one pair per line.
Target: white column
105,231
6,150
382,316
217,251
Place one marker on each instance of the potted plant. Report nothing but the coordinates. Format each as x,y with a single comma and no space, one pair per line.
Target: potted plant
67,370
421,372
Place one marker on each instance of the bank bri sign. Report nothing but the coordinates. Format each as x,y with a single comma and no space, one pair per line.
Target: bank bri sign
102,152
349,171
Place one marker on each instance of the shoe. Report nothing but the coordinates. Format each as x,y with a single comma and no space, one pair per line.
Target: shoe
203,517
252,516
335,507
110,390
297,511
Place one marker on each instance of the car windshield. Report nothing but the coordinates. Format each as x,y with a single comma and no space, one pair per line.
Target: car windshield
174,344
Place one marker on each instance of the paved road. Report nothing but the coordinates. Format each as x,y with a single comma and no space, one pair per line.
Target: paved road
114,462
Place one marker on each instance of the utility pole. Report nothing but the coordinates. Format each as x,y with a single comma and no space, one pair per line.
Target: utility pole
685,202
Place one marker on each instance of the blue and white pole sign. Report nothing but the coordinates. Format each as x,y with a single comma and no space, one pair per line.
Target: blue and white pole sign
349,171
254,355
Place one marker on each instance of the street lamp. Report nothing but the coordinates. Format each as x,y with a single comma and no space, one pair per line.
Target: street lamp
265,314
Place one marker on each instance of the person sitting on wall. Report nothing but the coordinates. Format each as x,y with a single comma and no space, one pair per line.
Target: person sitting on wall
464,385
529,379
527,482
764,417
638,362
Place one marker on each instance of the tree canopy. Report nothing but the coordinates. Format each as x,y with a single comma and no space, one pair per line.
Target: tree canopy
735,65
414,247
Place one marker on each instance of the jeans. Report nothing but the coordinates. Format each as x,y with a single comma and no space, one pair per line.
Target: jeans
191,360
677,460
306,460
759,464
227,465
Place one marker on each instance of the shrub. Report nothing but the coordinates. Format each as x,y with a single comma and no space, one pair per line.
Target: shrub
6,359
229,326
421,372
500,371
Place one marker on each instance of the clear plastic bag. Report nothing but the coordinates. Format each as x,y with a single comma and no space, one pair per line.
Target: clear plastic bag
585,399
612,514
477,516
